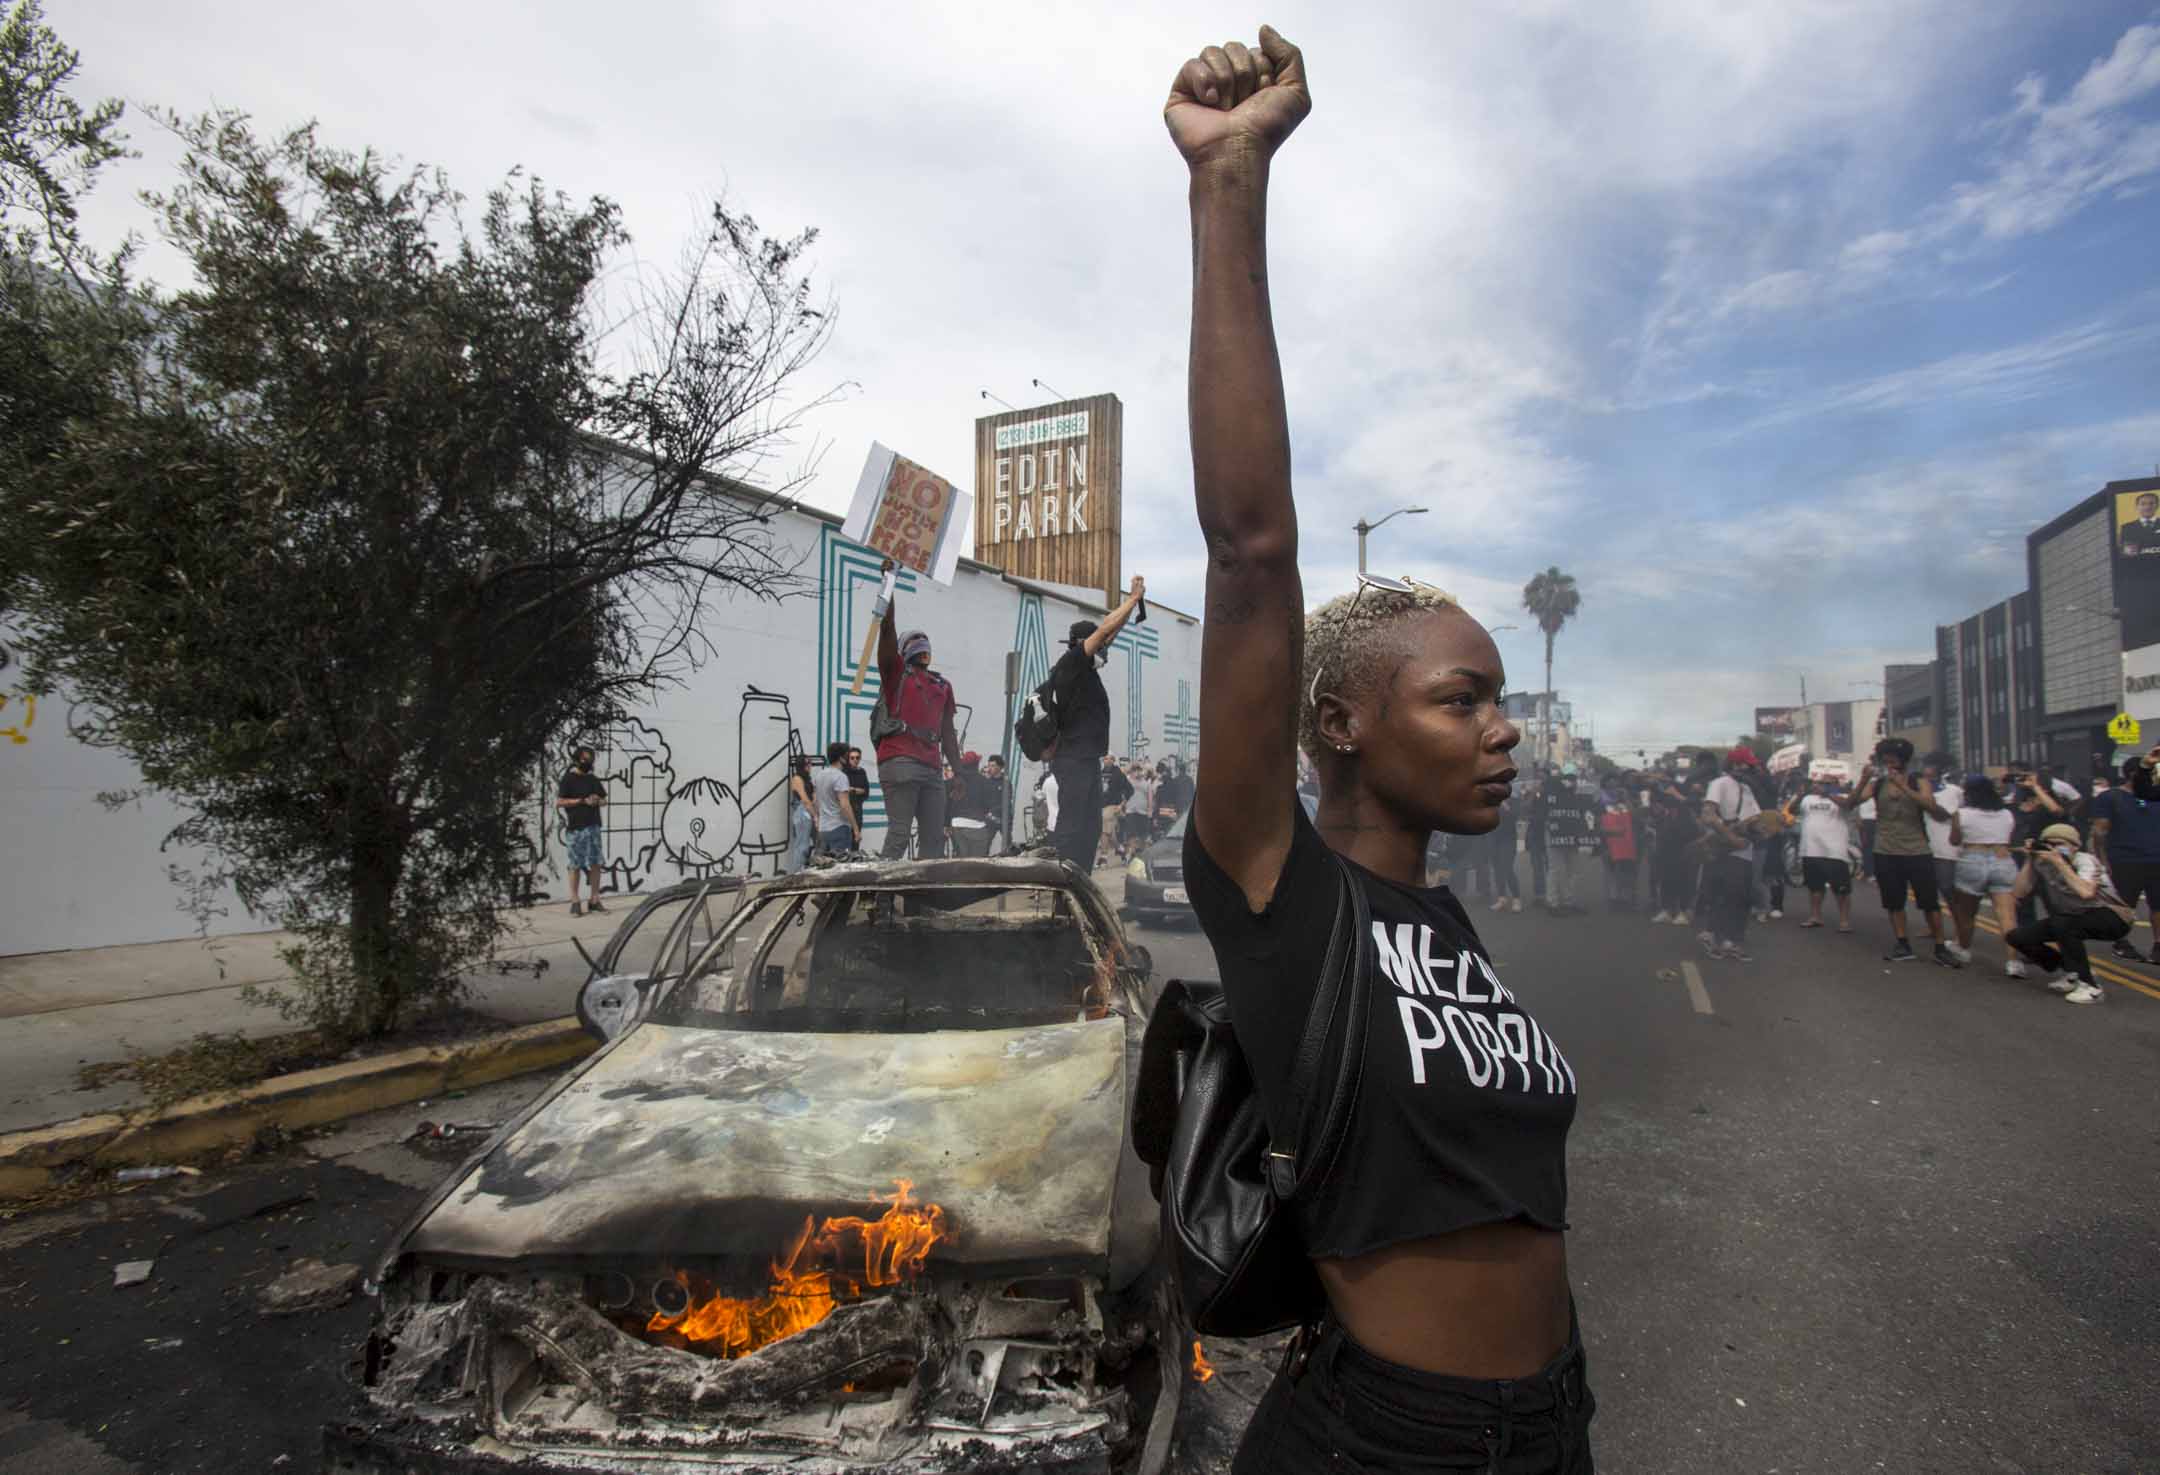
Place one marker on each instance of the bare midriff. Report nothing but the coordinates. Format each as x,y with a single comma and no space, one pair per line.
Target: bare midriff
1486,1302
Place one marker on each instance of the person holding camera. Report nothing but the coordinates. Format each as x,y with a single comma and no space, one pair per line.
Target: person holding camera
1904,861
2083,906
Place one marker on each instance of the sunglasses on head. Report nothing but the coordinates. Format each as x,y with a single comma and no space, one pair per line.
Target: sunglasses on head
1386,586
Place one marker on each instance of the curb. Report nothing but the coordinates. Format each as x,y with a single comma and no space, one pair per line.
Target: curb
33,1161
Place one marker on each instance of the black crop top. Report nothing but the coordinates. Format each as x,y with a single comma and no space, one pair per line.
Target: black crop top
1464,1113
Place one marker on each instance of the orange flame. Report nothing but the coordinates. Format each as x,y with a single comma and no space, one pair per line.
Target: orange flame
1202,1368
821,1269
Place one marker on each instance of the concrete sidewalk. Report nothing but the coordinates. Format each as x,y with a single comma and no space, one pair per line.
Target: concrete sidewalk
65,1010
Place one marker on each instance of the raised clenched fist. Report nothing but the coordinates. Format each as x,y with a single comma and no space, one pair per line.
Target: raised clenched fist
1231,98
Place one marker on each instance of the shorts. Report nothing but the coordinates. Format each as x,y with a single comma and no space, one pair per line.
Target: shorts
1982,873
586,852
1819,873
1134,826
1895,874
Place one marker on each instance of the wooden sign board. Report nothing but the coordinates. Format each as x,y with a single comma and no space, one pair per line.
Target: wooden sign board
908,513
1049,493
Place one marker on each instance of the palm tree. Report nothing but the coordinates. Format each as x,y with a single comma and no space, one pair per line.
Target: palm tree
1551,599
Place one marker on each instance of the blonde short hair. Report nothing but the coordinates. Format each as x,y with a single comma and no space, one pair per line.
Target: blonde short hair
1351,644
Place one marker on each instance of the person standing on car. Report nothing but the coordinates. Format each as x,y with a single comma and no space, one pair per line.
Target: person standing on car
802,815
1442,1252
839,825
578,798
1083,731
916,707
1904,862
997,802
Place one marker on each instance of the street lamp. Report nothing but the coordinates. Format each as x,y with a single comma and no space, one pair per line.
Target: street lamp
1364,527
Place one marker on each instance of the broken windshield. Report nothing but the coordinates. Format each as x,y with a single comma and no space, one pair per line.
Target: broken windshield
899,960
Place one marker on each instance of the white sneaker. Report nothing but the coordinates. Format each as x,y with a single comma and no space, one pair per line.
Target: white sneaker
1499,904
2084,993
2060,984
1661,917
1679,919
1962,954
1776,915
1518,905
2015,968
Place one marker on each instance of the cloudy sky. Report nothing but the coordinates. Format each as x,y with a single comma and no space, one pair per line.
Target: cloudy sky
1778,325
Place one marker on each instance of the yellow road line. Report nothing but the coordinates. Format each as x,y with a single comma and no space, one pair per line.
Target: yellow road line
2104,968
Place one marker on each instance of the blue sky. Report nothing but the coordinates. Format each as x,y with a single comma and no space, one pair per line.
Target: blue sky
1777,325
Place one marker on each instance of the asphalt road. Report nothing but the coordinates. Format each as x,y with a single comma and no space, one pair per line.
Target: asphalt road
1830,1215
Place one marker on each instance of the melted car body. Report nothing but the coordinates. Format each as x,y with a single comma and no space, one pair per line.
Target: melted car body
849,1187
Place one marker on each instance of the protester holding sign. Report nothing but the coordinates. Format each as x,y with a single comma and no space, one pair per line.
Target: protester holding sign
912,726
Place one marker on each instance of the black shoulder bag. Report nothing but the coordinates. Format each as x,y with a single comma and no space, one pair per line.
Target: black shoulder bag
1229,1194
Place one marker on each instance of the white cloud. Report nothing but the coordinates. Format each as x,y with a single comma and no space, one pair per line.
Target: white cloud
1977,379
2062,156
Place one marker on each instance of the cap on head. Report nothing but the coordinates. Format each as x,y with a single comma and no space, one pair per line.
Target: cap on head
1741,758
970,758
913,644
2060,835
1078,631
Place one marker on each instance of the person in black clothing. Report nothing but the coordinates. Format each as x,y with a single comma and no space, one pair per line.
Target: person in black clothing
1447,1339
1083,733
970,807
1173,792
579,797
1116,789
997,801
858,781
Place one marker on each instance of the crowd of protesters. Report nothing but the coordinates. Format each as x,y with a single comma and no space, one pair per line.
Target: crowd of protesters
1714,845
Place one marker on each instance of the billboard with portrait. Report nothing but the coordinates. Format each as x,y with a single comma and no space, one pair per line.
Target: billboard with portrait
2137,524
1780,722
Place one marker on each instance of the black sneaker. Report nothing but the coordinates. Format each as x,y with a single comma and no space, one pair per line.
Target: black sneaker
595,907
2128,951
1944,957
1902,953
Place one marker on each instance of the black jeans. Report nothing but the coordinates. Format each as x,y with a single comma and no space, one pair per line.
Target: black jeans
1079,821
1730,882
1676,879
2069,933
1348,1409
1537,873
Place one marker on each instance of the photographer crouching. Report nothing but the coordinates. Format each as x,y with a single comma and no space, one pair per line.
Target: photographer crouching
2083,907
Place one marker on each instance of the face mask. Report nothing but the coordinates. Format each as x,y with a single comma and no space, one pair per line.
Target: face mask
584,765
2066,851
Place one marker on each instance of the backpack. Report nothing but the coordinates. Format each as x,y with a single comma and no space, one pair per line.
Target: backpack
1233,1194
1037,726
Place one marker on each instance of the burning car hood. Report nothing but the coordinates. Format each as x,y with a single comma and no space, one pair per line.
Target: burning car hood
697,1142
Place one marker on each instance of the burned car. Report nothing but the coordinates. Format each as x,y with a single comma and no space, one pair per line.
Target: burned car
849,1187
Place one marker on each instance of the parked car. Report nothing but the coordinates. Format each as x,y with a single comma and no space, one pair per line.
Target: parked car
1155,878
848,1187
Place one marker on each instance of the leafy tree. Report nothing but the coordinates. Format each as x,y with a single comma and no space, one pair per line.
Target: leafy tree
1550,599
334,540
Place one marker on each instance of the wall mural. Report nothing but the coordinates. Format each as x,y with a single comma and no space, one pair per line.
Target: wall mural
1181,729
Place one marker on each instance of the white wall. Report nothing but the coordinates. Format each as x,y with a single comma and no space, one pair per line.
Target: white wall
695,777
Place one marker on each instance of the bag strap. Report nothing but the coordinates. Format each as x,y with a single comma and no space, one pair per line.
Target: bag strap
1320,1123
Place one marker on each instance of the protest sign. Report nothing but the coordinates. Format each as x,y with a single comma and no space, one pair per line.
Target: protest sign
914,517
